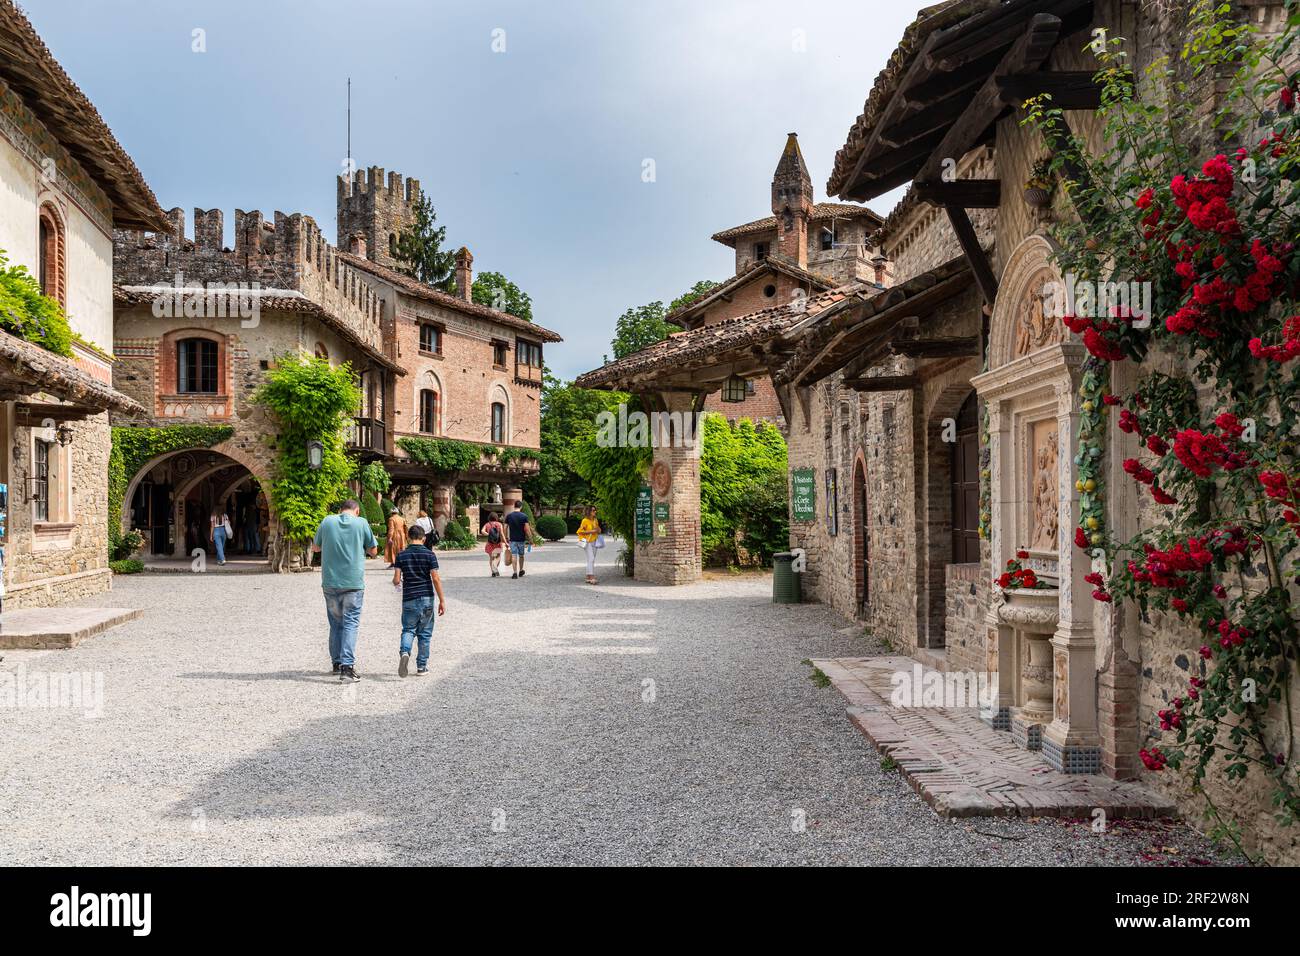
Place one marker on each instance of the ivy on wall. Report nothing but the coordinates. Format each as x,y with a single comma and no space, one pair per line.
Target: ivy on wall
29,315
134,447
450,454
312,401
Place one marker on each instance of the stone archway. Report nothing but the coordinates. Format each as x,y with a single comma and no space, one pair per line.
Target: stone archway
861,535
1043,641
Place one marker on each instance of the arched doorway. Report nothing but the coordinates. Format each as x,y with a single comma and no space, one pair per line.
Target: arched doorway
171,498
861,536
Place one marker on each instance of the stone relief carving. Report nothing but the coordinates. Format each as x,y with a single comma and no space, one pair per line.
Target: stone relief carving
1036,326
1060,699
1044,488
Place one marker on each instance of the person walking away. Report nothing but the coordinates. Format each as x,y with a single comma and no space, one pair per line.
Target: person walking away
520,534
416,572
425,522
219,532
252,524
495,532
592,540
343,541
396,536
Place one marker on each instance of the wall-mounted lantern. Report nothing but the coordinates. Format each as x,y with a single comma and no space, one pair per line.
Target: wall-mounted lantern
64,435
315,455
733,389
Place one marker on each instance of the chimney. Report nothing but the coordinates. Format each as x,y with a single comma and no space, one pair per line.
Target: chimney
357,244
464,274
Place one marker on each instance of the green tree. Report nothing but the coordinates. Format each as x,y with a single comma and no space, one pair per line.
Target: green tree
697,291
27,314
742,489
497,292
568,416
419,250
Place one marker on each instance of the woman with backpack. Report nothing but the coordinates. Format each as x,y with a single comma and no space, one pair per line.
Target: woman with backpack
496,542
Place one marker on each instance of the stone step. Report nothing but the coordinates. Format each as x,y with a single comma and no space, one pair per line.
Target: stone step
46,628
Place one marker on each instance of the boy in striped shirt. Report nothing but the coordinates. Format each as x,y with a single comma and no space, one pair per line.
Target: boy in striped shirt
415,571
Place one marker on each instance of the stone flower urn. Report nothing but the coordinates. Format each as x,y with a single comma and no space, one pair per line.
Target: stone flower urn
1033,612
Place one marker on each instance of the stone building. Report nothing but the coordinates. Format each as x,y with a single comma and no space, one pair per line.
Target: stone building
474,373
198,327
67,183
933,425
803,248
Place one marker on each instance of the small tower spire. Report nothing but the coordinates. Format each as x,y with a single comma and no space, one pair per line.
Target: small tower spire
792,202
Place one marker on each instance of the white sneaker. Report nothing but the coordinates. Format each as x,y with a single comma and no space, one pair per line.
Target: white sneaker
403,665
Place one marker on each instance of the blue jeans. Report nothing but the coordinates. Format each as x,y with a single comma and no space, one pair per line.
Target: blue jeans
252,540
343,608
219,539
417,621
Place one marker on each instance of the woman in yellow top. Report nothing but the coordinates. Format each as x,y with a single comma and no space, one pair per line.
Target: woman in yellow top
592,540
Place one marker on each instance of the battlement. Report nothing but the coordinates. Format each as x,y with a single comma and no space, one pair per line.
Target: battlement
375,210
288,254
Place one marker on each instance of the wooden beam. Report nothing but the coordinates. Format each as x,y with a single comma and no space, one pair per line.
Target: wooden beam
964,193
932,119
1025,55
883,383
950,346
1069,89
970,245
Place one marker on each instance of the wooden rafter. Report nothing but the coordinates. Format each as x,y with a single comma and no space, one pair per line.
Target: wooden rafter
964,193
975,255
883,383
1069,89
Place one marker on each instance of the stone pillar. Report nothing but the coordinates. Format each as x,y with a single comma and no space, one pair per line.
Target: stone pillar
1000,649
1071,742
441,498
509,495
673,555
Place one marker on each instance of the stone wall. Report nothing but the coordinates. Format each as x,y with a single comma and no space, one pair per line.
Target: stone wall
377,211
966,589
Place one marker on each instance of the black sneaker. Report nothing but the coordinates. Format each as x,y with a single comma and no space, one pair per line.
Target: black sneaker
522,573
514,576
422,672
337,666
349,675
402,665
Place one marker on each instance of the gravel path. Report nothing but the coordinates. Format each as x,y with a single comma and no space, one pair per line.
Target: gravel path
562,723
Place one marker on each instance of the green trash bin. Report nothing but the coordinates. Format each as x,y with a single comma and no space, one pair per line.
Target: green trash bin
785,583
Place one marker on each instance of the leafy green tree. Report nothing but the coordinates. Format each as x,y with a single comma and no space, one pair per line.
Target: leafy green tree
568,416
28,314
615,473
419,250
497,292
742,489
644,325
697,291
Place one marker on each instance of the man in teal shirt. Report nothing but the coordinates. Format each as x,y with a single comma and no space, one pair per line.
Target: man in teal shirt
344,540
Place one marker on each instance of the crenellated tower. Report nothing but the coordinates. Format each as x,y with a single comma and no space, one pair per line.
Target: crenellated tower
375,212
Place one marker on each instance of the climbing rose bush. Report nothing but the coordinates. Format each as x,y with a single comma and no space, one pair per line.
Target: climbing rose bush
1218,446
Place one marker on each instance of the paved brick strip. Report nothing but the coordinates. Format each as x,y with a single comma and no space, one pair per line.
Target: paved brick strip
962,767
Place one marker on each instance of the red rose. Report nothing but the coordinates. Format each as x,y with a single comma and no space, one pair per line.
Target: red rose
1080,539
1022,555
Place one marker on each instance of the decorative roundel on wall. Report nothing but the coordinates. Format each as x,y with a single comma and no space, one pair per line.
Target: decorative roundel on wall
184,464
661,478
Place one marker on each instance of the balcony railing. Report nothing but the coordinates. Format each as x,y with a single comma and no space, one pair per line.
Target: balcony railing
367,435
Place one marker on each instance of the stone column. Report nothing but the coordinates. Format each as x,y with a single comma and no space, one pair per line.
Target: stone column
441,498
1071,742
673,555
1000,649
509,495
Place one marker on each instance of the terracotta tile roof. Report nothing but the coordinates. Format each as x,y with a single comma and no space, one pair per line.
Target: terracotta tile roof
928,21
288,301
418,289
821,212
31,366
774,262
700,347
28,67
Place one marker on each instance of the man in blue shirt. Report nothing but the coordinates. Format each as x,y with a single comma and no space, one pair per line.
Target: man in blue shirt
520,534
415,570
344,540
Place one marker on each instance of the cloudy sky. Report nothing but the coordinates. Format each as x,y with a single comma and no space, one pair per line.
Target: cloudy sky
533,156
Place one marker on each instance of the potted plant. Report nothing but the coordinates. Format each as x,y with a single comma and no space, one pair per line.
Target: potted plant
1039,185
1027,600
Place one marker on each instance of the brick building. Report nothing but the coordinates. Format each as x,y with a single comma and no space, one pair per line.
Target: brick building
474,373
803,248
67,183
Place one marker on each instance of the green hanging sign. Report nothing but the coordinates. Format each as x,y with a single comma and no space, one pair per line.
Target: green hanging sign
803,494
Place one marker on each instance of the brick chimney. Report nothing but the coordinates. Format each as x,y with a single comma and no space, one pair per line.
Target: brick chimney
464,274
357,244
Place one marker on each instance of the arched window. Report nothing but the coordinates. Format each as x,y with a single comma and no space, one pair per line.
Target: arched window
196,367
498,423
428,411
51,252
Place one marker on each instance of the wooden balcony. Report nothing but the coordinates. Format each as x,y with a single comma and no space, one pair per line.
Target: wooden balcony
366,436
528,374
